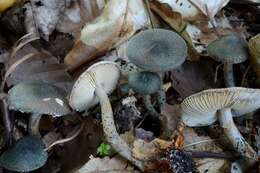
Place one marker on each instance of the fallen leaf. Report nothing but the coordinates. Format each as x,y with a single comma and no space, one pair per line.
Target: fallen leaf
194,142
193,77
118,21
43,68
210,7
170,117
78,14
188,11
107,165
254,49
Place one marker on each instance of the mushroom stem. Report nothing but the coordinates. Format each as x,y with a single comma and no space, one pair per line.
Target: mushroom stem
233,134
228,74
110,130
161,97
149,106
34,122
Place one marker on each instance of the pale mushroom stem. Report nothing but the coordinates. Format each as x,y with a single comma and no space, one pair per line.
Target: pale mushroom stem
34,122
161,97
228,74
149,106
110,130
239,143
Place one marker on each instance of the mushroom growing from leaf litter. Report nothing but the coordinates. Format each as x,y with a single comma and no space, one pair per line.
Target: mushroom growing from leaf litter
27,154
204,108
92,86
229,49
38,99
146,83
157,50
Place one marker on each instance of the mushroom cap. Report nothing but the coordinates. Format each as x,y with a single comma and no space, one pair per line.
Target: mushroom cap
157,50
83,95
27,155
201,109
145,82
38,98
229,48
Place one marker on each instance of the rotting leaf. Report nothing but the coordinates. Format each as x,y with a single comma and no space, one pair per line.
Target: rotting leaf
107,165
43,68
193,77
118,21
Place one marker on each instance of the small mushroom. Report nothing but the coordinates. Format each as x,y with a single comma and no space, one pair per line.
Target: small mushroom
229,49
146,83
38,99
204,108
27,154
94,84
157,50
83,96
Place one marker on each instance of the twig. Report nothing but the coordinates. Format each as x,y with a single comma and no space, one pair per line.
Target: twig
243,81
199,142
208,154
216,73
62,141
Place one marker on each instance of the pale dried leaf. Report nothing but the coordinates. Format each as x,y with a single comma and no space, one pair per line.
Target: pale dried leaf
188,11
118,21
107,165
78,14
194,142
43,68
210,7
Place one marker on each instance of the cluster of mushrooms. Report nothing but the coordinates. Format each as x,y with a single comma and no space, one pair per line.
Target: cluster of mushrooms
154,51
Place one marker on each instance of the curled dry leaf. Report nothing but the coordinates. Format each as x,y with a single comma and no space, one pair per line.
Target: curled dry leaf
254,49
118,21
210,7
41,68
107,165
78,14
188,11
194,142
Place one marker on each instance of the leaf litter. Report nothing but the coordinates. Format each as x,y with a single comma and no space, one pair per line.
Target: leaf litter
53,42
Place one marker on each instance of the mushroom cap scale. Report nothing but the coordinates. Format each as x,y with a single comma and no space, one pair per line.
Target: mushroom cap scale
229,48
200,109
38,98
83,95
27,155
157,50
145,82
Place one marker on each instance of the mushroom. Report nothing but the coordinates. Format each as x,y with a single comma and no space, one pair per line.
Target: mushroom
229,49
204,108
157,50
28,154
146,83
92,86
38,99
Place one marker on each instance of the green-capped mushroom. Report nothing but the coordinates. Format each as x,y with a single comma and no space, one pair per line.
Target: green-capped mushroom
146,83
157,50
229,49
38,99
27,154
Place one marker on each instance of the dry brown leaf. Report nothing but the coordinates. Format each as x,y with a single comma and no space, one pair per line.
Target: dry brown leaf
170,117
193,77
188,11
107,165
145,151
43,68
78,14
210,7
118,21
194,142
254,49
